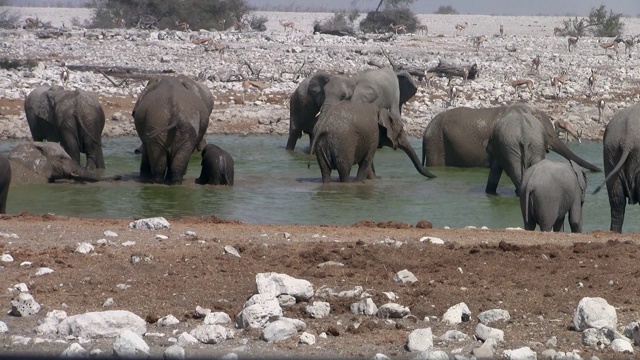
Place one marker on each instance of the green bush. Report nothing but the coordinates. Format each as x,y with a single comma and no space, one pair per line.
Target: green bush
379,22
446,10
599,22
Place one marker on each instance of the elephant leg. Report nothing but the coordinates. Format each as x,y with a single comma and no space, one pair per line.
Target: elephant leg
177,167
69,142
558,226
575,218
145,165
617,202
294,135
228,176
95,158
494,178
157,162
323,162
5,182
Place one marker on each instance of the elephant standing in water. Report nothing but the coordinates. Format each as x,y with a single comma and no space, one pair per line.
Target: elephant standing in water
217,166
5,181
621,153
550,190
72,117
458,137
171,117
349,133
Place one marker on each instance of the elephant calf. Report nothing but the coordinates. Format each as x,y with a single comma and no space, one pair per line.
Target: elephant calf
217,166
550,190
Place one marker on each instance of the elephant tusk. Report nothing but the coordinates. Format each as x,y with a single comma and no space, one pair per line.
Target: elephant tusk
318,114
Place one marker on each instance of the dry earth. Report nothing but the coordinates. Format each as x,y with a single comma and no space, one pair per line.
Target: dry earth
538,277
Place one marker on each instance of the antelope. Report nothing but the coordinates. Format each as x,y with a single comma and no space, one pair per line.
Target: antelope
182,25
558,81
64,75
572,41
610,45
453,94
592,81
222,23
398,27
202,41
260,85
287,24
239,25
423,29
601,106
567,128
461,27
501,30
429,79
517,84
118,21
477,41
32,23
628,45
535,63
465,74
557,30
220,47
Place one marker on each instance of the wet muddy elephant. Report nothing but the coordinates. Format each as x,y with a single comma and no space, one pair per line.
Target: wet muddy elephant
46,162
550,191
217,166
621,154
72,117
171,117
349,133
5,182
458,137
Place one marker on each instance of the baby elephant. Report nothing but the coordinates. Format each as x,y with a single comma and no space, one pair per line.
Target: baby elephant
217,167
550,190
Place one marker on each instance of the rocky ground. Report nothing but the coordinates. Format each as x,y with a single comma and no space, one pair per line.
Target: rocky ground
537,278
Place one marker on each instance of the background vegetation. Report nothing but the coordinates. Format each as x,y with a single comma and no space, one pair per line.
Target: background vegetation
600,23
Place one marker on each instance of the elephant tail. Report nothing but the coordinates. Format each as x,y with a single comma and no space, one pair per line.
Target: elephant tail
312,149
614,172
526,205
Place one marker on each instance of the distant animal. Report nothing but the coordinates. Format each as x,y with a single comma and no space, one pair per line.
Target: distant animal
460,27
501,30
217,166
287,25
566,127
535,63
572,41
551,190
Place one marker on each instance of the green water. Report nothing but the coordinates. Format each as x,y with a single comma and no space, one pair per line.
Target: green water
276,187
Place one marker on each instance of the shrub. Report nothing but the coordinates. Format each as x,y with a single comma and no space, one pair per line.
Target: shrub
446,10
8,19
377,22
340,23
258,23
599,23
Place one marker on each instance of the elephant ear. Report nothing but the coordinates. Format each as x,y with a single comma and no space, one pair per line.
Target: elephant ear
408,86
315,89
198,89
390,126
581,177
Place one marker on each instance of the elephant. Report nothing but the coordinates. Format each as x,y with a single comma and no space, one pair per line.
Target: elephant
217,166
550,190
516,143
346,134
72,117
46,162
5,181
171,117
621,154
458,137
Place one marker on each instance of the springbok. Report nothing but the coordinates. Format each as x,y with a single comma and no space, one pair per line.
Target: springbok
182,25
422,29
572,41
535,64
501,30
398,27
601,106
287,24
460,27
566,127
517,84
592,81
260,85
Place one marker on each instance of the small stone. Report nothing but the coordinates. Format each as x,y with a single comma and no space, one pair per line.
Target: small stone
621,346
24,305
157,223
128,243
167,321
190,233
161,237
108,302
22,287
6,258
318,310
307,339
457,314
432,240
74,350
110,233
43,271
231,250
404,277
174,352
84,248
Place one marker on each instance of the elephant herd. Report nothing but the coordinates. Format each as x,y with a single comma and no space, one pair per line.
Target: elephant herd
348,118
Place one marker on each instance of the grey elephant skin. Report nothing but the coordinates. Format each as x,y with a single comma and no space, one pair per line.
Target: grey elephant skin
171,117
621,154
458,137
5,182
46,162
217,166
516,143
72,117
349,133
550,191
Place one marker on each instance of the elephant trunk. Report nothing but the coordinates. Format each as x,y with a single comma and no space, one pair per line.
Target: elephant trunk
403,144
558,146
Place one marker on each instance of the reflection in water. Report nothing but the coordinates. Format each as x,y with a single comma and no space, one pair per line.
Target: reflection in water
275,186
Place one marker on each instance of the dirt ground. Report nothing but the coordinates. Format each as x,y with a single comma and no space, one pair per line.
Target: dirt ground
538,277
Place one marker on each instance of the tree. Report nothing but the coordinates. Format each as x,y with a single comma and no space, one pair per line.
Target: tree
8,18
446,10
599,23
395,12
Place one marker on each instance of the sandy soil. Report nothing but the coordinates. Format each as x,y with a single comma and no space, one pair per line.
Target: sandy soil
538,277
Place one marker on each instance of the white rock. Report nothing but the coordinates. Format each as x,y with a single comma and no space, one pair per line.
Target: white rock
74,350
277,284
217,317
84,248
230,356
484,332
454,336
209,334
231,250
621,346
22,287
8,235
6,258
523,353
257,315
364,307
162,237
202,312
433,355
420,340
404,277
167,321
26,263
493,315
128,243
107,302
43,271
24,305
318,310
3,327
186,339
157,223
110,233
130,345
594,312
286,300
190,233
279,330
393,311
380,356
102,324
391,295
174,352
307,338
457,314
